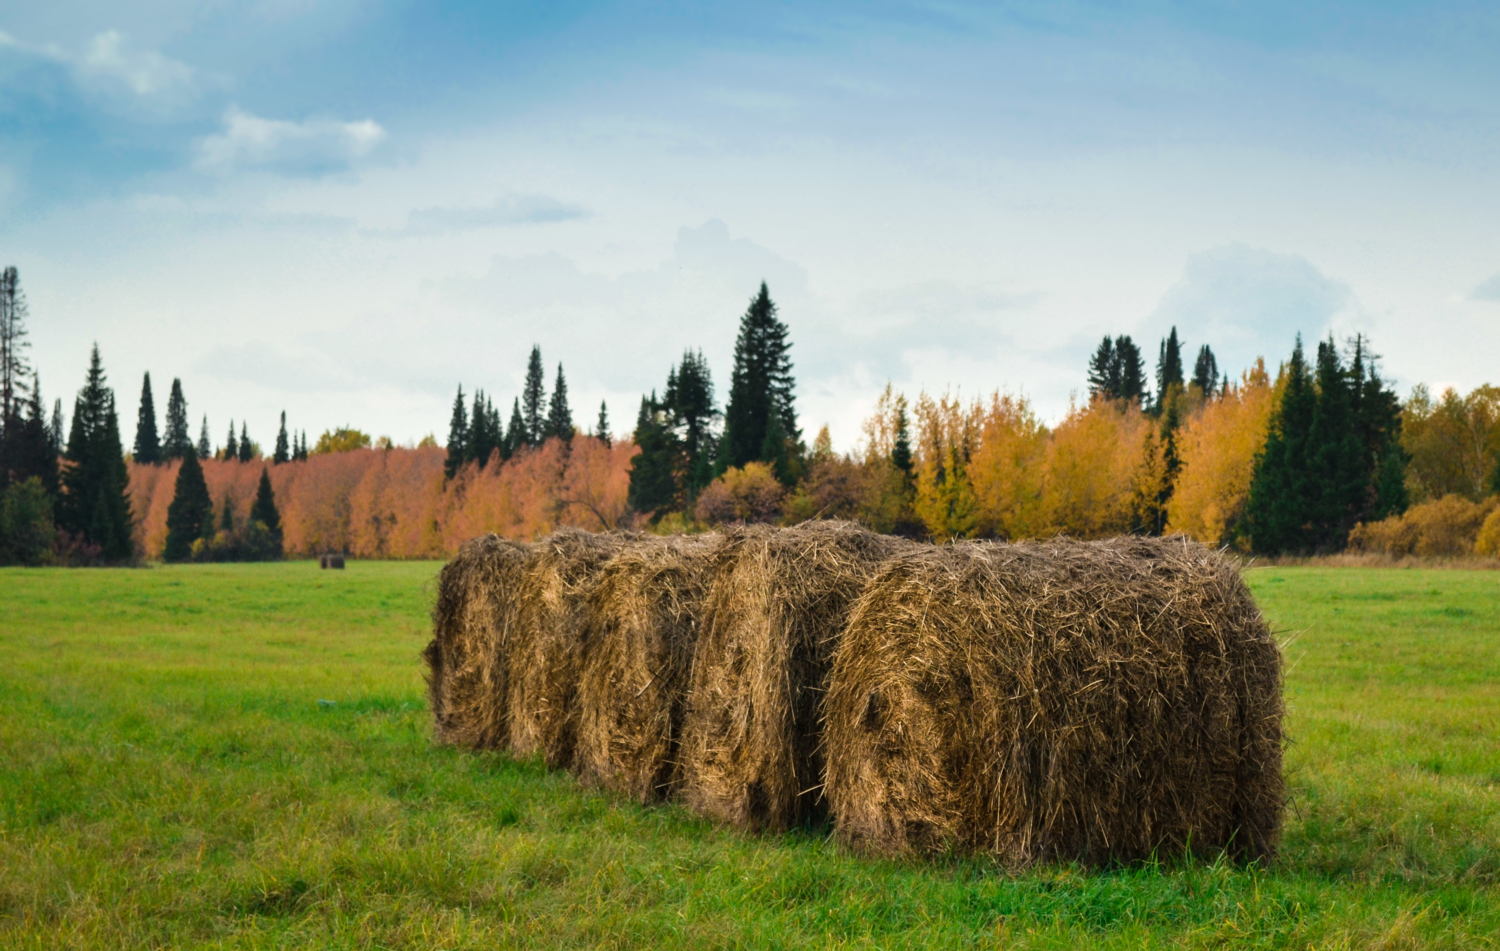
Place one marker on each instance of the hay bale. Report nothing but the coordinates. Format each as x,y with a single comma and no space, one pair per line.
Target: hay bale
751,754
472,622
645,615
1061,700
546,656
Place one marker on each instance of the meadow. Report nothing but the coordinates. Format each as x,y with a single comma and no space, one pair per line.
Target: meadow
240,756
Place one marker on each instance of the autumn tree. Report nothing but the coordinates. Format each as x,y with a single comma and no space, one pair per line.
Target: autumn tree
1006,469
1218,448
1453,442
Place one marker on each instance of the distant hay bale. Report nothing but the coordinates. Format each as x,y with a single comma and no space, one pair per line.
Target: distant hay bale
472,622
546,655
1061,700
645,614
751,752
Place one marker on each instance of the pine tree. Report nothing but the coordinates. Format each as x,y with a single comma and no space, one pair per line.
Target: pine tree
247,449
1104,371
1168,371
1378,415
654,470
226,515
760,385
458,436
205,447
95,505
534,400
283,450
191,514
515,435
13,347
56,429
559,416
1280,509
1206,371
689,402
27,452
901,456
483,441
231,444
1132,369
601,426
177,443
264,512
147,443
1337,459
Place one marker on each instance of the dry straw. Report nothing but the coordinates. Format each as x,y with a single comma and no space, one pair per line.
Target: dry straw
472,623
1062,700
751,754
546,656
645,615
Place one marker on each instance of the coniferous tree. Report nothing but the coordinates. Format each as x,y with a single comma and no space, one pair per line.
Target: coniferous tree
1206,371
534,400
689,403
147,443
265,513
56,429
1337,458
1279,511
1378,415
205,447
95,506
1168,371
177,442
231,444
1132,369
761,385
458,436
654,470
283,448
28,452
1117,371
13,347
1104,371
901,456
247,449
601,426
515,435
484,436
226,515
559,416
191,514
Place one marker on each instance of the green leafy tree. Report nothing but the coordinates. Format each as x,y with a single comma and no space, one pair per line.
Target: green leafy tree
458,436
760,386
95,506
534,400
559,416
247,448
283,451
147,442
190,517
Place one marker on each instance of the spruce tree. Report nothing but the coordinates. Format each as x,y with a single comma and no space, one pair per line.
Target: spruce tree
689,401
13,347
601,426
760,385
559,415
27,451
56,428
901,456
191,514
95,505
515,435
654,470
226,515
1281,508
483,441
231,444
1168,371
283,448
1104,371
1132,369
176,441
265,513
147,443
458,436
534,400
247,449
205,447
1378,415
1206,371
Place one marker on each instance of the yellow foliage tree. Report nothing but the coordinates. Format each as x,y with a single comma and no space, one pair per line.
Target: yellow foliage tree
1091,467
1006,469
946,436
1217,448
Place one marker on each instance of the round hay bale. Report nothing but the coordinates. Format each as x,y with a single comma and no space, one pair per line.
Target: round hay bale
645,615
472,622
751,753
546,656
1099,701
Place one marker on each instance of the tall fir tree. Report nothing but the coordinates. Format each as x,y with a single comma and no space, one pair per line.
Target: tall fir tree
177,442
13,347
534,400
1337,458
27,451
1378,415
205,447
1168,371
760,386
147,442
483,440
515,434
458,436
559,415
1206,371
191,514
901,456
95,506
1132,369
247,448
1117,370
231,444
690,402
601,425
283,447
56,427
1279,511
265,512
1104,371
654,470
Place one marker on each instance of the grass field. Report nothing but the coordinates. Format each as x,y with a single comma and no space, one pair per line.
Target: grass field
240,757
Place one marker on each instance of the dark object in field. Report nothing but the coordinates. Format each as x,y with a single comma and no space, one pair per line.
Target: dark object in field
545,656
1088,701
644,618
331,561
751,746
472,624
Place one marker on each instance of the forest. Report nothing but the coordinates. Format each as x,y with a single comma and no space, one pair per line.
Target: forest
1318,456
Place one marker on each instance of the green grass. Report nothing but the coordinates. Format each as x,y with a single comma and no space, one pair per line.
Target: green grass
173,774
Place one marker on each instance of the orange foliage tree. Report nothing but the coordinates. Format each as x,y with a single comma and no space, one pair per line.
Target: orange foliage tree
1090,468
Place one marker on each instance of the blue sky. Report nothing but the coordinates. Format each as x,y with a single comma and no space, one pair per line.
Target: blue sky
344,209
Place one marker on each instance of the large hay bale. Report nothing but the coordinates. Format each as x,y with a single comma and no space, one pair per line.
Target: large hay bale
645,614
472,622
1062,700
751,753
546,656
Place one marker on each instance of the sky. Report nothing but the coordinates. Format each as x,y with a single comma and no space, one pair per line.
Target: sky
344,210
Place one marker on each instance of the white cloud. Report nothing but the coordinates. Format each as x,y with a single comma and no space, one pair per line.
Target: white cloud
521,210
111,58
1489,290
311,146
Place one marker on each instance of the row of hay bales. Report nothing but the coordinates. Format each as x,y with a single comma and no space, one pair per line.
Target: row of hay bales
1091,701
